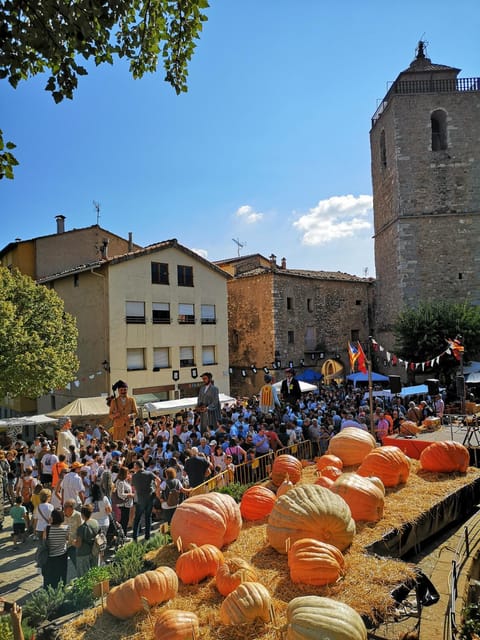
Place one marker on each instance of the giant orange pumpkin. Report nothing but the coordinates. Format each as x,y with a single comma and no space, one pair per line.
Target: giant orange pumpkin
351,445
257,503
310,511
209,518
314,562
232,573
198,563
284,465
328,460
157,586
365,499
174,624
445,457
388,463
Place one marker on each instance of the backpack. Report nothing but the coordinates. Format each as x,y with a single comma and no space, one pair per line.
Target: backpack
27,490
172,495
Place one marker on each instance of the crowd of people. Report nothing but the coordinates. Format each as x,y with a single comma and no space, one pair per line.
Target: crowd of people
91,479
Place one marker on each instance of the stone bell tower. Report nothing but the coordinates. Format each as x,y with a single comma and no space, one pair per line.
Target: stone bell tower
425,156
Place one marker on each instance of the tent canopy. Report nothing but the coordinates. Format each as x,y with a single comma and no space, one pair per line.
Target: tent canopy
171,406
417,389
309,375
305,387
473,378
363,377
83,408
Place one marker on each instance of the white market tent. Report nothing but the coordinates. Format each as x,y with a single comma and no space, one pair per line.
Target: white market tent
83,408
172,406
305,387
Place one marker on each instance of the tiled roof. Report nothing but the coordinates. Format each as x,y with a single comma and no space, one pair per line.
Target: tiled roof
131,255
304,273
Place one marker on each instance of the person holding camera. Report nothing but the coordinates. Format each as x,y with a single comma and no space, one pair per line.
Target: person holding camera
15,611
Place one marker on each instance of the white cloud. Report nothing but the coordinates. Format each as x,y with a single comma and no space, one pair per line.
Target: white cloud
335,218
201,252
248,214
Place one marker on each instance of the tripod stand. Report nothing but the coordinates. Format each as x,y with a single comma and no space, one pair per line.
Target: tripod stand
472,437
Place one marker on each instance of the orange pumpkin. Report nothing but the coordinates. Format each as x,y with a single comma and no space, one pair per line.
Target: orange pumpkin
174,624
331,472
365,499
209,518
409,428
198,563
157,586
250,601
284,465
445,457
285,486
257,503
328,460
314,562
323,481
232,573
388,463
351,445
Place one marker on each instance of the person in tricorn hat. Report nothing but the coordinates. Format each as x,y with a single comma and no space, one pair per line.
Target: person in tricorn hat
123,410
290,389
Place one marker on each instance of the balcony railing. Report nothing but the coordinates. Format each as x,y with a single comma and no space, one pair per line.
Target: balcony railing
439,85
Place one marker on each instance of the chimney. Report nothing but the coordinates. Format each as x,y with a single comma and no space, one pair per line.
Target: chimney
60,223
273,261
284,263
130,241
104,249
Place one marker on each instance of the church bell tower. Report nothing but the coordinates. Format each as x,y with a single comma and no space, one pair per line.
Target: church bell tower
425,157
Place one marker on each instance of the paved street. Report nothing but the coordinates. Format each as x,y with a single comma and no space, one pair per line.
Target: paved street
18,574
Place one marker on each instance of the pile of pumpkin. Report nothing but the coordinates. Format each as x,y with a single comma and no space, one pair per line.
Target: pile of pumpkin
312,524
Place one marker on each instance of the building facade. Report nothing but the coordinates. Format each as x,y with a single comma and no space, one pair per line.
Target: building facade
279,316
425,157
155,316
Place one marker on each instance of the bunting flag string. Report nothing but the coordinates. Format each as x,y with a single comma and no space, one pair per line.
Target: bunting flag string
80,380
394,360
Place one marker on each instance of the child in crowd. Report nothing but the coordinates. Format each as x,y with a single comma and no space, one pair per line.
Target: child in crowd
20,518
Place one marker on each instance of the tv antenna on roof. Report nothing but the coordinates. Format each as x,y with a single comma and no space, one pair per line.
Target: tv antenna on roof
239,244
96,206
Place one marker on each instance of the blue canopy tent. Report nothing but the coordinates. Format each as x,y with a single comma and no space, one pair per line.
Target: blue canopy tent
363,377
309,375
416,390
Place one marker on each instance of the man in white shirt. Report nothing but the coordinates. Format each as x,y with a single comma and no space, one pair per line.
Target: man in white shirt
72,486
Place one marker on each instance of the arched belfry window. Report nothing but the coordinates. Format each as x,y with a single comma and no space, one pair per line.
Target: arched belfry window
383,149
438,121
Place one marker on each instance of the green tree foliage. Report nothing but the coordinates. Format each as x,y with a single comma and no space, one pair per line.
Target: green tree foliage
38,339
54,36
422,332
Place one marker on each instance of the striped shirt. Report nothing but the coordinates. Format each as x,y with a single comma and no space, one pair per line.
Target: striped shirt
57,540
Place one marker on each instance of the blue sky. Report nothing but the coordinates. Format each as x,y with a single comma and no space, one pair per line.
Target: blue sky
270,146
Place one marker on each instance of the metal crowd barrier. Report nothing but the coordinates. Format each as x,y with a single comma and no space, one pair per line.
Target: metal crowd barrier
256,470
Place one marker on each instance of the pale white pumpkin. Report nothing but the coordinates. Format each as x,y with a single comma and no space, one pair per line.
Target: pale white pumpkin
317,618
